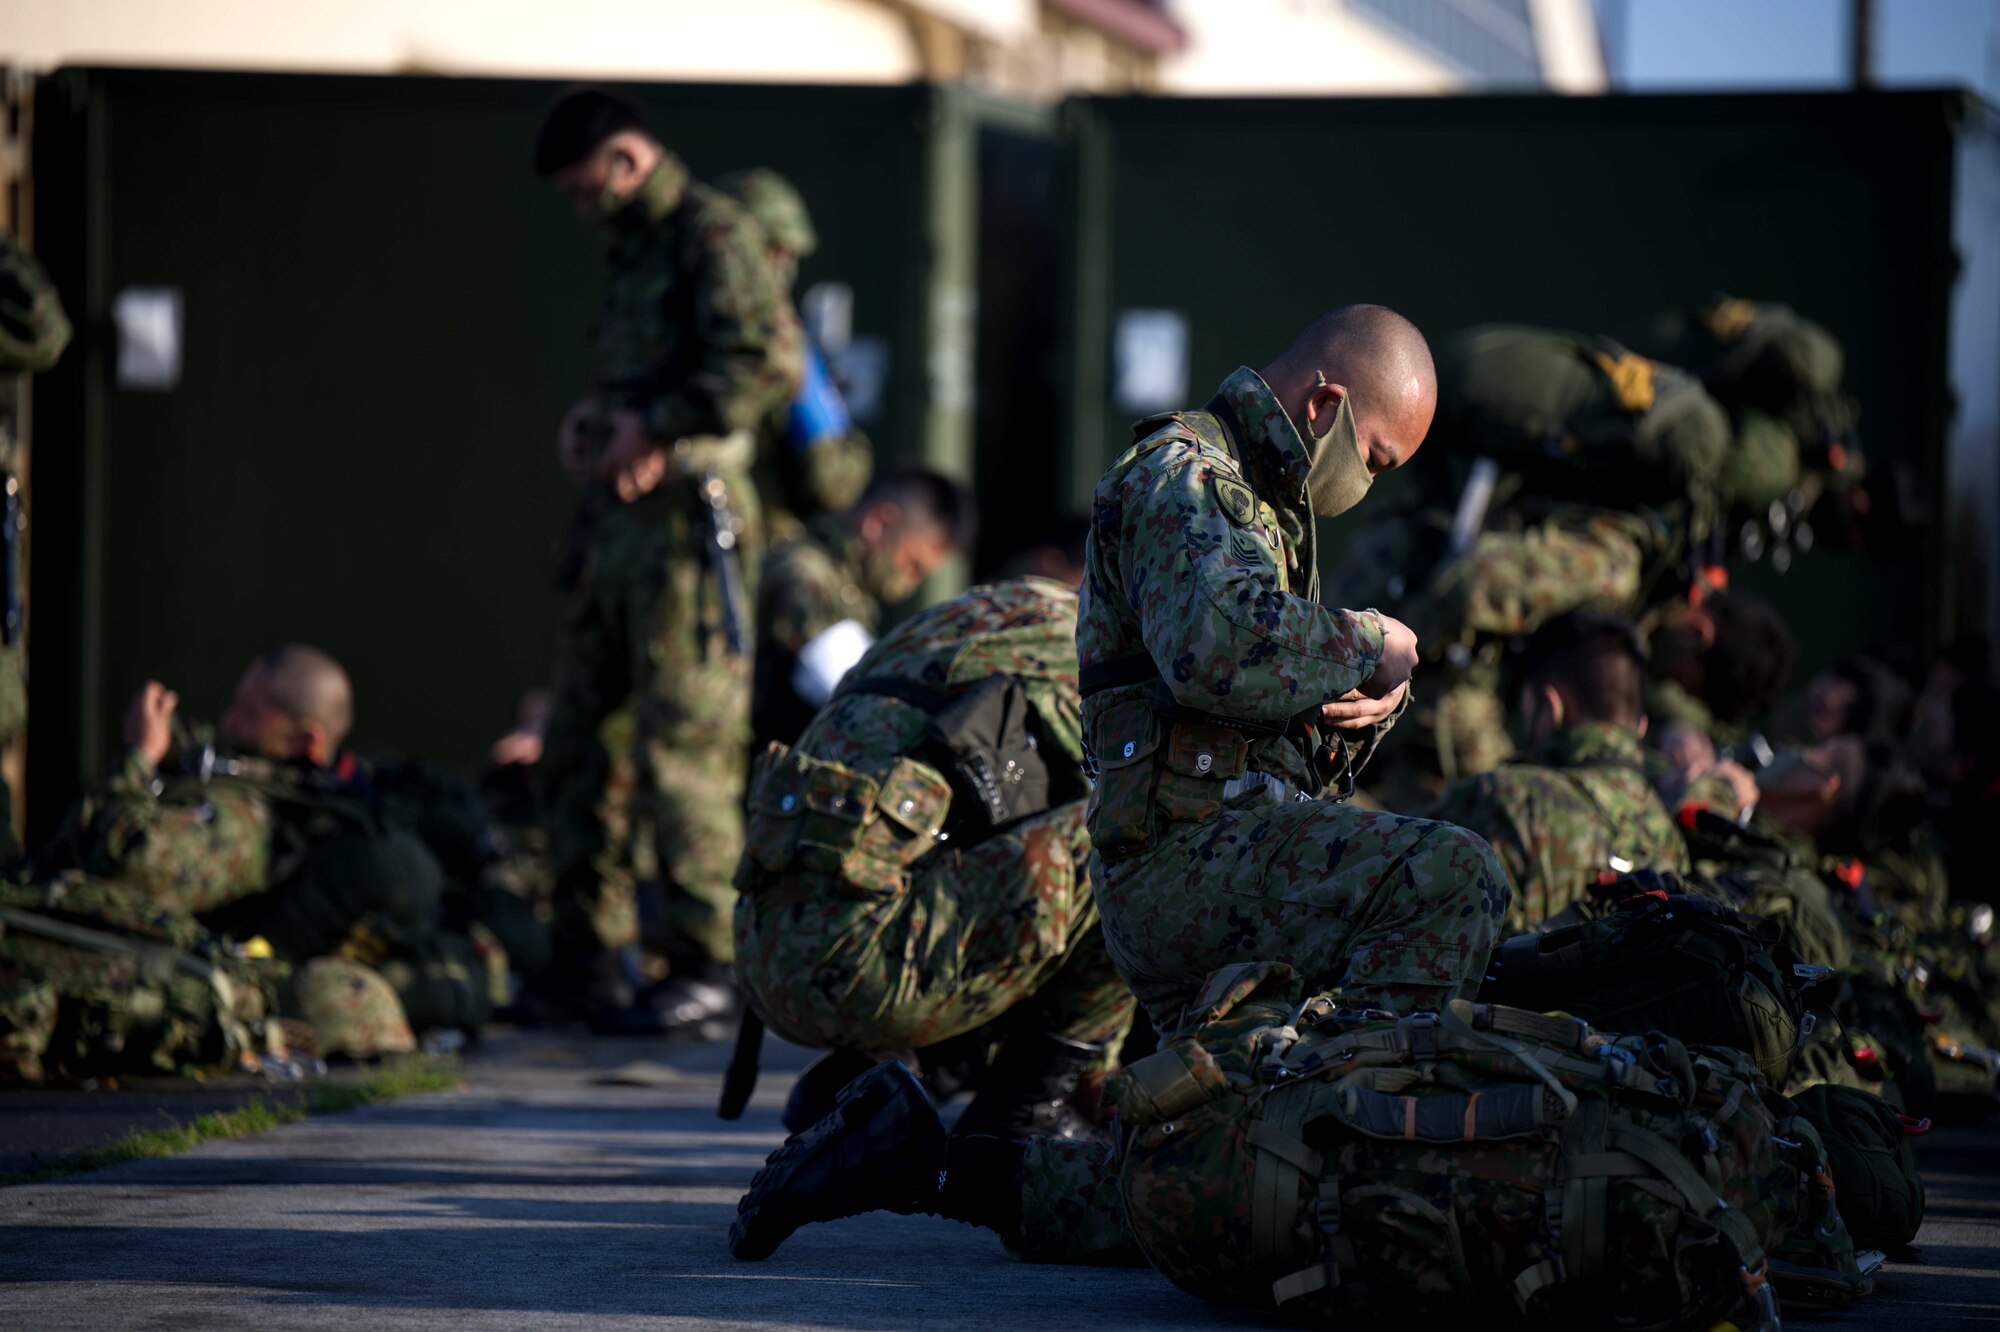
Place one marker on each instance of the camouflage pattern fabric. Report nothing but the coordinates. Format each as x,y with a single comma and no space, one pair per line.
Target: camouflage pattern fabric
1343,1164
873,935
301,858
1577,809
1200,559
354,1010
189,846
33,328
33,333
808,585
698,336
696,332
97,979
1070,1208
646,645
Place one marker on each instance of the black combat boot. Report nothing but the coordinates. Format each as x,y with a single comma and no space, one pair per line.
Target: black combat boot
883,1149
698,1002
1030,1092
814,1094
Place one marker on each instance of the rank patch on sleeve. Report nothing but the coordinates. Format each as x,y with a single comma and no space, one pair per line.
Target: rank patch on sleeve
1235,500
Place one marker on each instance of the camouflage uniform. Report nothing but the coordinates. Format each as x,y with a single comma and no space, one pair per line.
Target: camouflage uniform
97,979
1202,645
1613,470
811,458
874,936
1576,812
698,336
294,856
33,333
809,584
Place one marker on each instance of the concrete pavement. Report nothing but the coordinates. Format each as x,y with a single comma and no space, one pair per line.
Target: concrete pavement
588,1184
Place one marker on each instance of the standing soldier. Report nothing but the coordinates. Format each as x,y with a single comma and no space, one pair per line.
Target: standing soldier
33,333
697,344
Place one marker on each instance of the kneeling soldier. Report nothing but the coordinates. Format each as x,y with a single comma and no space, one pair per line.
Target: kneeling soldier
916,870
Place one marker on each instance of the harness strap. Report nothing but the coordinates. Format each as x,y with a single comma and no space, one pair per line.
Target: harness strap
922,697
1586,1198
1284,1162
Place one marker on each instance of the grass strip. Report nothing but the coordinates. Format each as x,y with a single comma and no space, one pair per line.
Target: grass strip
259,1115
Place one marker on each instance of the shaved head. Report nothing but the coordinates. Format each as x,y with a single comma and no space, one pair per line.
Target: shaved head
1378,357
293,702
309,686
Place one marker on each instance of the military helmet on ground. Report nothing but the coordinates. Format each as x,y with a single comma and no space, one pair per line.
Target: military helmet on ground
353,1009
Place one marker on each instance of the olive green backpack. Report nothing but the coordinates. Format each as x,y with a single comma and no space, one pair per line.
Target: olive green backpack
1582,418
1478,1162
125,985
1870,1149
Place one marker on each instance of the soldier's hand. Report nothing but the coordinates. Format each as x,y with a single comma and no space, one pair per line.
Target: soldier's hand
1398,659
574,442
149,721
633,462
1355,711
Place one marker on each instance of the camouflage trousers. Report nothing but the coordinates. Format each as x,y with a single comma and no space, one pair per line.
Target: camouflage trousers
650,863
1070,1206
1403,912
1005,929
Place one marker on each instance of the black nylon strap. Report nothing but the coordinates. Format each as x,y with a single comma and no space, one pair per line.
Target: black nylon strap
932,701
1116,672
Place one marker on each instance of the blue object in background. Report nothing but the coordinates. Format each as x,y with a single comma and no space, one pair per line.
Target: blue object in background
818,412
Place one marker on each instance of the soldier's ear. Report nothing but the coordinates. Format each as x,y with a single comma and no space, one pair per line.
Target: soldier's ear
1552,699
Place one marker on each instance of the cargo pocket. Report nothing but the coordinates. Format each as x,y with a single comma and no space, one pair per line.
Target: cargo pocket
1200,758
1410,1242
910,805
1121,813
771,833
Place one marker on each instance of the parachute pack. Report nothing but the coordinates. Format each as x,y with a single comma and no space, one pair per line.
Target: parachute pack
1669,962
1518,1167
98,980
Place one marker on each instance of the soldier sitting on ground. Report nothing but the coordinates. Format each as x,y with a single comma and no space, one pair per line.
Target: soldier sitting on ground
262,833
915,883
819,601
1578,810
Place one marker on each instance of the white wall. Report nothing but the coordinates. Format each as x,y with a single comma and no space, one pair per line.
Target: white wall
804,40
1283,46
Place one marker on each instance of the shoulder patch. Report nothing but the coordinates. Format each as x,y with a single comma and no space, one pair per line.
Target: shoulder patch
1235,499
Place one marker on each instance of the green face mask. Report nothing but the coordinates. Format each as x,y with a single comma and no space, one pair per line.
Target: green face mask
1338,479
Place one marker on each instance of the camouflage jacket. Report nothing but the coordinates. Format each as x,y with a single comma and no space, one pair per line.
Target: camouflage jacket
191,846
808,585
697,332
1201,558
1577,808
1025,628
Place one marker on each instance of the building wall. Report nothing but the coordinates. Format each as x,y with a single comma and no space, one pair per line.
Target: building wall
1022,48
856,41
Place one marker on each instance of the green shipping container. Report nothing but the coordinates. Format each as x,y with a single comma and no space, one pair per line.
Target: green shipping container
1207,231
384,317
